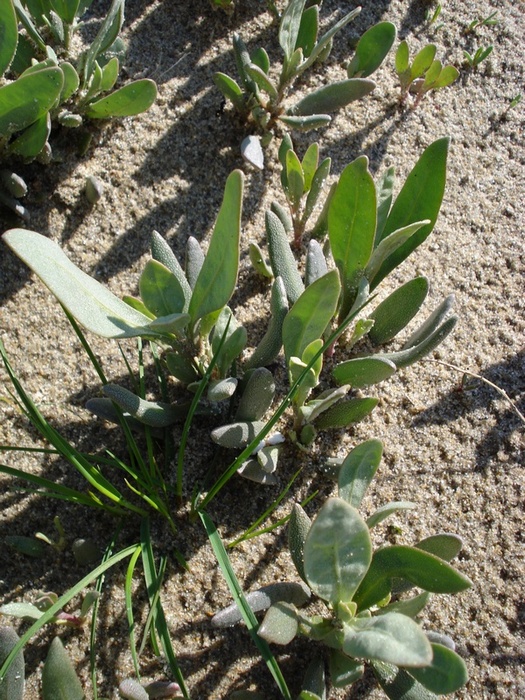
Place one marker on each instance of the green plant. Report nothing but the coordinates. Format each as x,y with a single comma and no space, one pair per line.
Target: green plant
45,84
259,98
423,74
480,54
432,16
368,617
488,21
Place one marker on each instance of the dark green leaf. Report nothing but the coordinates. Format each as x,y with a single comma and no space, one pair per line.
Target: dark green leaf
397,310
311,314
289,26
281,257
445,674
398,684
351,226
160,290
372,49
314,121
345,413
8,34
343,669
308,29
363,371
12,686
28,98
420,568
134,98
419,199
33,139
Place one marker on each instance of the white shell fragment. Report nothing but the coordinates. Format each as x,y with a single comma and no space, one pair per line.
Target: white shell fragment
252,152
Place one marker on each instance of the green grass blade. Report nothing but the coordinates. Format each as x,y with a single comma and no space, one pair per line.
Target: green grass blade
128,593
245,610
62,601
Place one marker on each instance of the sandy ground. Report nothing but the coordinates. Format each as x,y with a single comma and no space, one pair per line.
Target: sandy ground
458,454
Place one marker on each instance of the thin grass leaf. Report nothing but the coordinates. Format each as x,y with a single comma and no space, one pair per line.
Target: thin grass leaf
153,587
238,596
63,601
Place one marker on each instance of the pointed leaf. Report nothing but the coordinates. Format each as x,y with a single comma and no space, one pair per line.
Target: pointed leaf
160,290
387,510
431,324
218,275
12,685
315,187
325,40
389,245
311,314
295,180
419,199
332,97
358,470
262,80
31,141
407,357
289,26
391,638
94,306
352,225
131,99
308,29
337,552
59,679
420,568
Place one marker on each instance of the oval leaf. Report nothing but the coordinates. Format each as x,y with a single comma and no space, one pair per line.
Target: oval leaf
332,97
358,470
131,99
363,371
28,98
337,552
59,679
446,673
397,310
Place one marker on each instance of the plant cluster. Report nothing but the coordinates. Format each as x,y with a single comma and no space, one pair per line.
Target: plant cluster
324,327
43,83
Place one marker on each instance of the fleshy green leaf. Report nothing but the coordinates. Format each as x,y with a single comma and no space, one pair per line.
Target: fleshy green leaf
218,275
308,29
59,679
257,395
131,99
420,568
93,305
431,324
337,552
230,89
298,529
343,669
332,97
419,199
351,226
280,624
404,358
399,684
154,413
363,371
271,343
281,257
12,686
8,34
357,471
389,245
306,123
345,413
445,674
160,290
391,638
289,26
66,9
397,310
422,61
372,49
295,179
387,510
105,37
311,314
28,98
33,139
